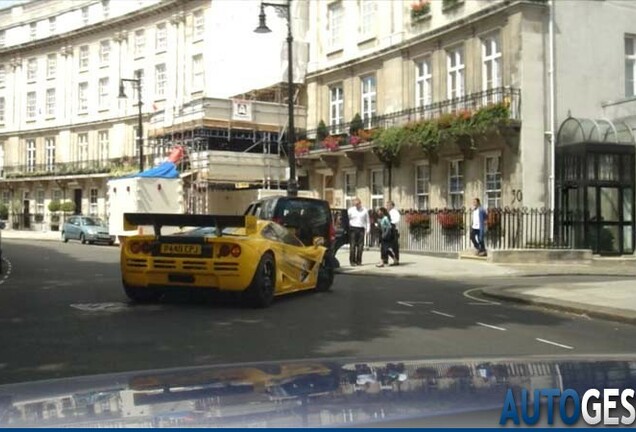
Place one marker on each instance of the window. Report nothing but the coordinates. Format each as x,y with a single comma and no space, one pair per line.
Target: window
30,155
630,66
349,188
160,37
336,108
52,25
491,69
106,8
199,24
83,57
335,24
2,38
33,30
93,201
377,189
198,78
368,99
57,195
455,63
50,102
104,52
85,14
5,194
456,184
3,75
32,69
31,103
2,107
424,83
139,74
103,93
49,145
160,80
51,65
368,10
422,184
39,202
103,145
140,42
82,147
493,181
82,97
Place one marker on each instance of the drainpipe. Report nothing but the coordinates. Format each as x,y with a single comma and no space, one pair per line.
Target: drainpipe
552,115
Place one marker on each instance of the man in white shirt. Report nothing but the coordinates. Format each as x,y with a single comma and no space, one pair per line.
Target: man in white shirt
358,227
478,227
394,215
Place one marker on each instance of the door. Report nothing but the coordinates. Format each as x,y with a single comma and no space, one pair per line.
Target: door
77,199
26,213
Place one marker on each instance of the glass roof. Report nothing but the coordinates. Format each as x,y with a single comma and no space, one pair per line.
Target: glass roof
577,131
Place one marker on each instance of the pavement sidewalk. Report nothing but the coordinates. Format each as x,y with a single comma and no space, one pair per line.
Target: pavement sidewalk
613,300
9,234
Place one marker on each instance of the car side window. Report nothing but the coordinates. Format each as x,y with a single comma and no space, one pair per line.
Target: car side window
286,236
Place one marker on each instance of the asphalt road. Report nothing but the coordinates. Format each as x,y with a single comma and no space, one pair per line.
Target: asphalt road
63,313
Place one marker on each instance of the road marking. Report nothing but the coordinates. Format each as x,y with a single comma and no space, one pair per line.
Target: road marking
476,299
491,326
412,303
442,314
100,307
555,344
405,304
5,276
482,304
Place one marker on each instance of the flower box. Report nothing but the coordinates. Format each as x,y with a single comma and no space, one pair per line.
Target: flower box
331,143
451,221
302,147
420,10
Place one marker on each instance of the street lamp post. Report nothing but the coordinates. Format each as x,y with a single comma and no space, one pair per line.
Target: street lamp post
292,184
140,133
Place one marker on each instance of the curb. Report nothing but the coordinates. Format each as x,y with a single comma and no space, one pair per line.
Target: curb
4,238
601,312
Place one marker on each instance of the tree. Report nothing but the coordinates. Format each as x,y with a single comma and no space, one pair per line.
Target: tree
4,211
67,207
356,125
322,132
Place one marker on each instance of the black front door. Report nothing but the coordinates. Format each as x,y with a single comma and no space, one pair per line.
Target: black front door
77,198
611,219
26,214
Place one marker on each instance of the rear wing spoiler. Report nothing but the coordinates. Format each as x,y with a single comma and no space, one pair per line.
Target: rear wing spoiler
158,220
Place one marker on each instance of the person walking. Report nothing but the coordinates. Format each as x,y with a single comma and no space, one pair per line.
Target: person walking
394,216
386,237
478,227
358,227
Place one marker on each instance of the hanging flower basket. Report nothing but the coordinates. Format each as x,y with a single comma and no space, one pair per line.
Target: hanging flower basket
451,221
419,224
331,143
420,9
355,140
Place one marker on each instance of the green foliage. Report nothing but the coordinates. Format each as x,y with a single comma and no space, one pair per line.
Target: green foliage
322,132
54,206
389,143
356,124
4,211
67,207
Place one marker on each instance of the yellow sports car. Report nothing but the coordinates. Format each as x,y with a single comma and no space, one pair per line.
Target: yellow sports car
260,259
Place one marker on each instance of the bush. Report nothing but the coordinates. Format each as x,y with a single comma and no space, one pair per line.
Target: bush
68,207
4,211
54,206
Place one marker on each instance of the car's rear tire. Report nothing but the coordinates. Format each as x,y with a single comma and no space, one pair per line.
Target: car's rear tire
325,274
142,295
82,238
260,293
64,238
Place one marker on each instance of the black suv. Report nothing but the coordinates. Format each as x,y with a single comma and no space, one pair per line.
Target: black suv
309,217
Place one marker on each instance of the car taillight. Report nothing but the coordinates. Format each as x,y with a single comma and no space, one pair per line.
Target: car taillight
332,232
146,247
236,251
135,247
229,249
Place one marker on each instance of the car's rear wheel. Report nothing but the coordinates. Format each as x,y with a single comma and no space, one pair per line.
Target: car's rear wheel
64,238
82,238
142,295
325,274
260,293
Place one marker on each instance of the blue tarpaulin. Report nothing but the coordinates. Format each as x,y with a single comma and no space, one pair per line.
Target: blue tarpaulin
165,170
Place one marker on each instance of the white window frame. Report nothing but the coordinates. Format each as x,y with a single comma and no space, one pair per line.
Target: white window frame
161,37
376,200
139,74
335,20
49,146
160,80
52,25
494,60
349,174
106,8
630,67
82,147
40,196
32,69
84,57
30,155
82,97
140,42
85,15
103,143
104,52
31,105
423,82
5,201
458,193
495,193
56,195
425,191
198,73
33,30
2,109
457,70
50,102
369,95
3,38
103,93
336,107
51,65
3,75
368,18
198,24
93,200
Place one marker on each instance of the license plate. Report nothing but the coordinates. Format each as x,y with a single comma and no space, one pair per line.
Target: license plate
180,249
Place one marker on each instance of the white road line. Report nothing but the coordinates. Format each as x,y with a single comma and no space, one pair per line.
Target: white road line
442,314
482,304
413,303
405,304
467,295
554,343
491,326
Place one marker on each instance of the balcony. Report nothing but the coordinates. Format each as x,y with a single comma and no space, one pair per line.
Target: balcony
112,167
349,137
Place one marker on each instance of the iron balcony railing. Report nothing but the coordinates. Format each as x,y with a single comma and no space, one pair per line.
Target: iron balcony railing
86,167
474,101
